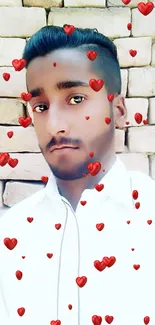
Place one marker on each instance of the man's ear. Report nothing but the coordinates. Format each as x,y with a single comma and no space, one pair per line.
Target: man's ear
119,111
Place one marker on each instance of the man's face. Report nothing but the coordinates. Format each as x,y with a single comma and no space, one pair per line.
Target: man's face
64,119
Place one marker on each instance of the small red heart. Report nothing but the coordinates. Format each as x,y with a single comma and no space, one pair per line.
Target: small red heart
23,257
21,311
91,55
94,168
19,64
58,226
100,226
96,85
126,2
6,76
69,29
81,281
83,202
145,8
55,322
109,319
107,120
4,157
10,243
100,266
91,154
129,26
133,53
26,97
10,134
12,162
25,121
149,222
128,222
84,175
137,205
99,187
29,219
136,266
138,118
44,179
146,320
69,306
19,275
54,64
135,194
87,117
110,97
127,123
49,255
132,249
109,261
145,122
97,320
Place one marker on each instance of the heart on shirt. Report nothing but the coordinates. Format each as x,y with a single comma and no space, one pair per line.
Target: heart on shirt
109,261
19,275
55,322
100,266
135,194
97,320
149,222
146,320
99,187
100,226
21,311
109,319
29,219
81,281
137,205
58,226
10,243
49,255
136,266
94,168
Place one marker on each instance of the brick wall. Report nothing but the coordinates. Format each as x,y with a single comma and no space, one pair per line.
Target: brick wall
19,19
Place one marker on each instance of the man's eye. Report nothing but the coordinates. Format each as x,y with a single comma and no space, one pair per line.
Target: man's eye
40,108
77,100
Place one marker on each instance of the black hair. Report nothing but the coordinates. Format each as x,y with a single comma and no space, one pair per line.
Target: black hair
106,65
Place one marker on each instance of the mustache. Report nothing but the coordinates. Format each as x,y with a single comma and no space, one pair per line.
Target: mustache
63,141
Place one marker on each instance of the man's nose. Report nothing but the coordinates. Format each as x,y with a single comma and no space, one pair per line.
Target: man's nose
56,122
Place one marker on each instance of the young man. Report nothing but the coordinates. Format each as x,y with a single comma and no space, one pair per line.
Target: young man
81,250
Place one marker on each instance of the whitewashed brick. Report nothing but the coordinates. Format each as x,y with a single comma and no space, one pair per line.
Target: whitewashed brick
143,25
16,192
135,161
153,54
21,21
93,18
1,193
11,3
152,111
15,85
119,3
143,47
136,105
142,139
42,3
85,3
31,166
152,166
10,49
124,78
119,140
10,110
24,139
141,82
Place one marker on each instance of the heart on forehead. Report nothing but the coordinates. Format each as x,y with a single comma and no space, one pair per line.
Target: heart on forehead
96,85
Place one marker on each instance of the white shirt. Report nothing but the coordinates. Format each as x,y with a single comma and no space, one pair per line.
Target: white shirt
48,284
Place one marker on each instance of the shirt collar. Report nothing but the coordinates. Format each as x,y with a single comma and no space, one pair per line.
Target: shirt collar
116,186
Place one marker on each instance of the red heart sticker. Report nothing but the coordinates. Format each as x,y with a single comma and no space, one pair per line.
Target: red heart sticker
19,64
149,222
132,249
145,122
83,202
81,281
55,322
29,219
25,121
135,194
91,154
58,226
12,162
54,64
19,275
109,319
126,2
127,123
99,187
97,320
100,266
100,226
109,261
128,222
91,55
94,168
133,53
136,266
96,85
107,120
137,205
21,311
10,243
69,306
87,117
4,157
44,179
26,97
10,134
110,97
138,118
129,26
49,255
145,8
6,76
146,320
69,29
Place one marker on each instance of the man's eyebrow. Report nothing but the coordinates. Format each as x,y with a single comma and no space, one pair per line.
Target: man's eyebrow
60,85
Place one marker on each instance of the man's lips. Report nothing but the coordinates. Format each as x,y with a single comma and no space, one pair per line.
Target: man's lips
63,147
